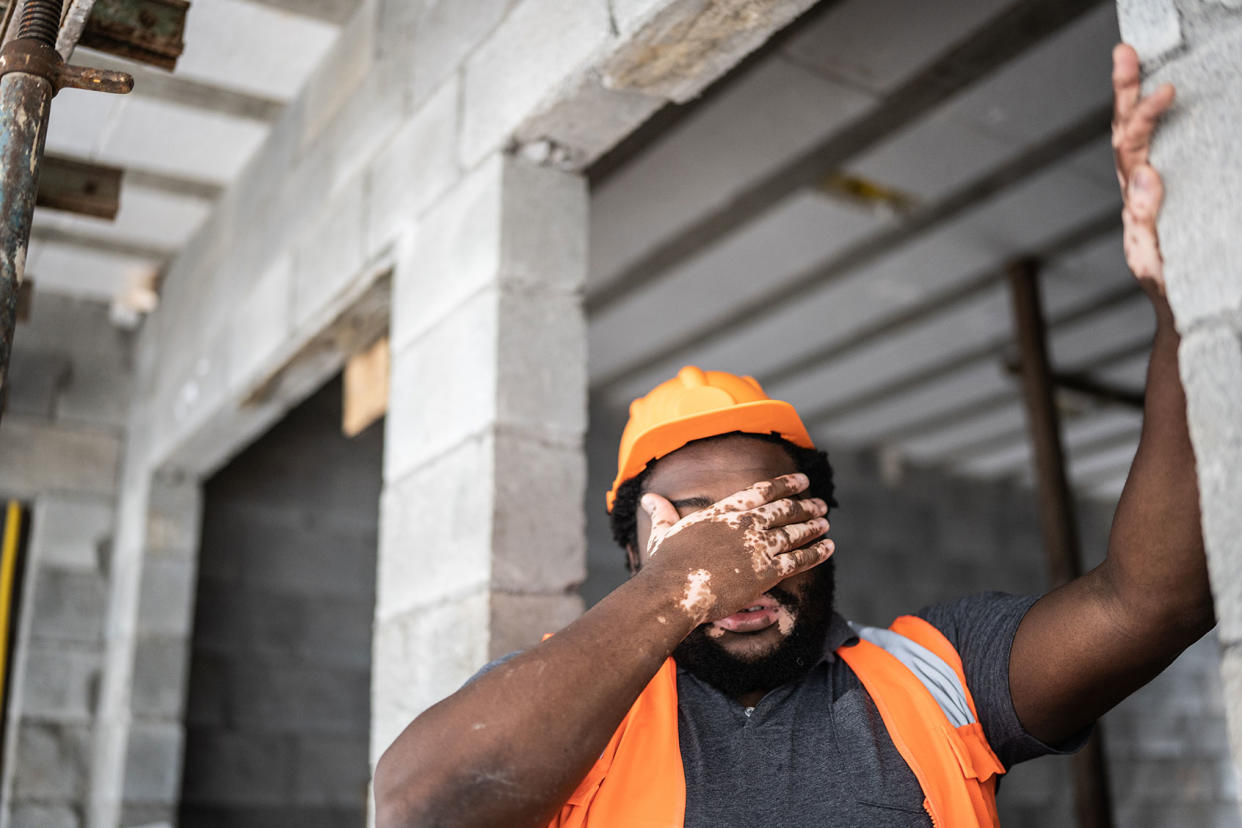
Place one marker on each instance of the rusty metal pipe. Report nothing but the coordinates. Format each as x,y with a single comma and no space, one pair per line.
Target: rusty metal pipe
25,101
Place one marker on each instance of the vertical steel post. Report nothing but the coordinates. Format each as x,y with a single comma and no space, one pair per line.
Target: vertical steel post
25,100
31,72
1056,507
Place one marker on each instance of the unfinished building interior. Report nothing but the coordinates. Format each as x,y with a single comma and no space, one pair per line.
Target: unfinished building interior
283,435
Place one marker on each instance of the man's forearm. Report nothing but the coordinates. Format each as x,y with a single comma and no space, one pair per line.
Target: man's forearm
1156,563
509,748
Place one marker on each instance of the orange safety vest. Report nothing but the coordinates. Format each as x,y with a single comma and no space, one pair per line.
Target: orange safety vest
913,675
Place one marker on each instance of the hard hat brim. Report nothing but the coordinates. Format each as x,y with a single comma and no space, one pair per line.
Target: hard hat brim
759,417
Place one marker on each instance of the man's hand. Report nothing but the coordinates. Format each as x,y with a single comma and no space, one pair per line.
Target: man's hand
725,556
1134,119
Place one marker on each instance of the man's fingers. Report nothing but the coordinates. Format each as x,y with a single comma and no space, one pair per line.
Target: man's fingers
1140,239
1127,85
788,510
662,513
1132,136
799,560
796,534
764,492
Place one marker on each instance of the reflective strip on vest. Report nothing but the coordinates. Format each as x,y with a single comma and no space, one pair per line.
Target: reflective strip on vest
933,671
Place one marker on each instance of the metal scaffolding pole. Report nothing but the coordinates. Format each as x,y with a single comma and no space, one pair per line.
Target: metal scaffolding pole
1056,507
31,73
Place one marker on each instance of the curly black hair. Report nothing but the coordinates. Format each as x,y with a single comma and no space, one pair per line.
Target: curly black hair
813,463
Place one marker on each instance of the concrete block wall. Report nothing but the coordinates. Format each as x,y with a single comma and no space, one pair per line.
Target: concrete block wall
1197,46
279,681
909,536
60,447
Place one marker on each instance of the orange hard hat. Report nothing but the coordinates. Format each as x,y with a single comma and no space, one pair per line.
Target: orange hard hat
697,404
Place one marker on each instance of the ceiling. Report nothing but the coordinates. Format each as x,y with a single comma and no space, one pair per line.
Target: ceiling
959,135
181,138
968,134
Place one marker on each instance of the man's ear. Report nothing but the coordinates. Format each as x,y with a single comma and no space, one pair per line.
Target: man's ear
631,558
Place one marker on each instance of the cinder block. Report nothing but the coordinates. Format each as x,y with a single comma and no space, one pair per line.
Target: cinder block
432,39
542,373
539,543
337,632
300,557
547,246
173,515
60,683
329,255
1211,369
454,252
228,769
153,762
261,325
1201,165
98,393
69,531
331,771
454,634
37,815
340,72
208,694
37,457
68,606
149,814
370,118
290,697
413,169
51,762
159,678
519,621
1152,27
540,45
166,597
436,529
458,359
198,390
35,380
1231,679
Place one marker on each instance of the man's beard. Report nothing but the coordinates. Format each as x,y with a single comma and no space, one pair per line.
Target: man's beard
704,657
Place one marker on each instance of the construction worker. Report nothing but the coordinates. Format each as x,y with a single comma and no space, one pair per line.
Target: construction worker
717,687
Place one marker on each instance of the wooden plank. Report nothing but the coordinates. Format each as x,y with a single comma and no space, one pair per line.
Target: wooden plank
366,388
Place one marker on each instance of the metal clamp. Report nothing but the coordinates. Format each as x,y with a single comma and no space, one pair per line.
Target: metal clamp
33,57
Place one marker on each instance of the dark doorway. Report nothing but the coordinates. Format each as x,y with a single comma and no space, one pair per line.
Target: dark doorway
279,701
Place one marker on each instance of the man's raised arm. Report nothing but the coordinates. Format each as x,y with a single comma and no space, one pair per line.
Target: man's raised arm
509,748
1084,647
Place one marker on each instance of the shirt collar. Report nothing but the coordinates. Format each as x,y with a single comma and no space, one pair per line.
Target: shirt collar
839,635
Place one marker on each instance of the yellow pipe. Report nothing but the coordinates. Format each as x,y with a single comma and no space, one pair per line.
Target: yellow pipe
8,566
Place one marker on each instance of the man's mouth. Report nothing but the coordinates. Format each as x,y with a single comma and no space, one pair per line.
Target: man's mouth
758,616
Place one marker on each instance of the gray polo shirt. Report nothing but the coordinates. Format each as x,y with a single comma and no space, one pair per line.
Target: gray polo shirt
815,752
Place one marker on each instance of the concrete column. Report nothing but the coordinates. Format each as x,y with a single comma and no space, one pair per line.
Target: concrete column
161,648
1197,46
481,524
